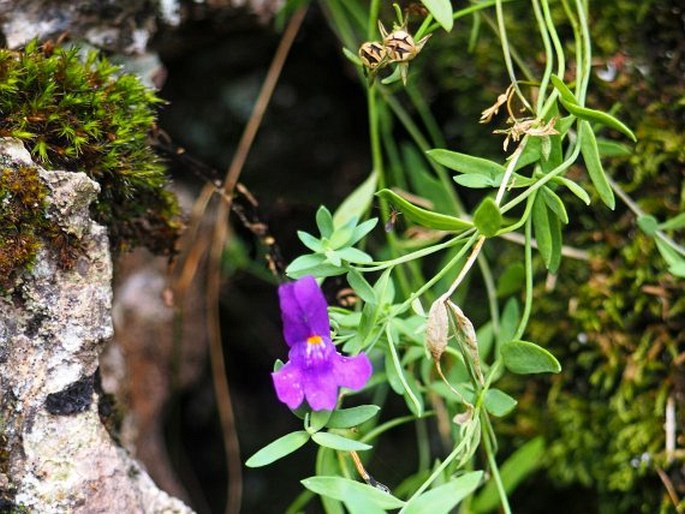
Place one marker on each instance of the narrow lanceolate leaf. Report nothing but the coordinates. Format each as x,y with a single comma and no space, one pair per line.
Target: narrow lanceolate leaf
340,488
441,11
442,499
675,223
648,224
338,442
524,357
464,163
588,147
555,204
543,232
361,286
564,91
347,418
422,216
437,328
278,449
570,103
574,188
357,203
324,221
487,218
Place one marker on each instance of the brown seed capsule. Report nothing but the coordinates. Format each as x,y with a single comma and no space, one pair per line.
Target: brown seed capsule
372,54
400,45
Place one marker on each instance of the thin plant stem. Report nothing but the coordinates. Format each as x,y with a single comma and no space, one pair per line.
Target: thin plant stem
587,54
506,52
528,264
543,180
544,82
494,470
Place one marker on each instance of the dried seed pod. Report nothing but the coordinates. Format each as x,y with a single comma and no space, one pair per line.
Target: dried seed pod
437,329
400,45
466,334
372,54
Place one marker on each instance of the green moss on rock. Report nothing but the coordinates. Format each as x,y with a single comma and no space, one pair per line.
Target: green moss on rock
84,115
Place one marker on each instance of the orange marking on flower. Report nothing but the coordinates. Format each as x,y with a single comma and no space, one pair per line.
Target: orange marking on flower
314,340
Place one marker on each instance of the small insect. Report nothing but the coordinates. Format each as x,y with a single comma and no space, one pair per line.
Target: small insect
392,219
372,54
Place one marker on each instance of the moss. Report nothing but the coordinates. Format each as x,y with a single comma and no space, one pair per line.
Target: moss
84,115
22,220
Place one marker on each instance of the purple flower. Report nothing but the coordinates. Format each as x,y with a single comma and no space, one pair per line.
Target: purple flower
315,370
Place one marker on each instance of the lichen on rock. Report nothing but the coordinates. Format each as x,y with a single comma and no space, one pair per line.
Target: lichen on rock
55,454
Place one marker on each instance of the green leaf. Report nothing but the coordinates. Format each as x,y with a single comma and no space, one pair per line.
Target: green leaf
313,264
508,321
520,464
555,232
347,418
363,289
648,224
667,252
278,449
441,11
357,503
487,217
422,216
317,420
498,403
354,256
511,279
305,262
464,163
609,148
340,488
588,147
543,232
564,91
574,188
357,204
361,230
310,241
677,268
524,357
422,180
324,221
341,236
473,181
442,499
338,442
675,223
351,56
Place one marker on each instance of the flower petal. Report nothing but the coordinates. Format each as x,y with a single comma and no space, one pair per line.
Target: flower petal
351,372
320,388
304,310
288,384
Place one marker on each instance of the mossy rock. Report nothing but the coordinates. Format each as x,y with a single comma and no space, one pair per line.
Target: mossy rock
81,113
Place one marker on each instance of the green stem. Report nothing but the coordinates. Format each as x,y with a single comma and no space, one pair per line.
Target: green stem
507,53
548,57
494,470
381,265
528,259
543,180
380,429
587,54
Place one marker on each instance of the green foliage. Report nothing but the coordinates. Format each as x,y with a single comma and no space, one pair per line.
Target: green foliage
84,115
